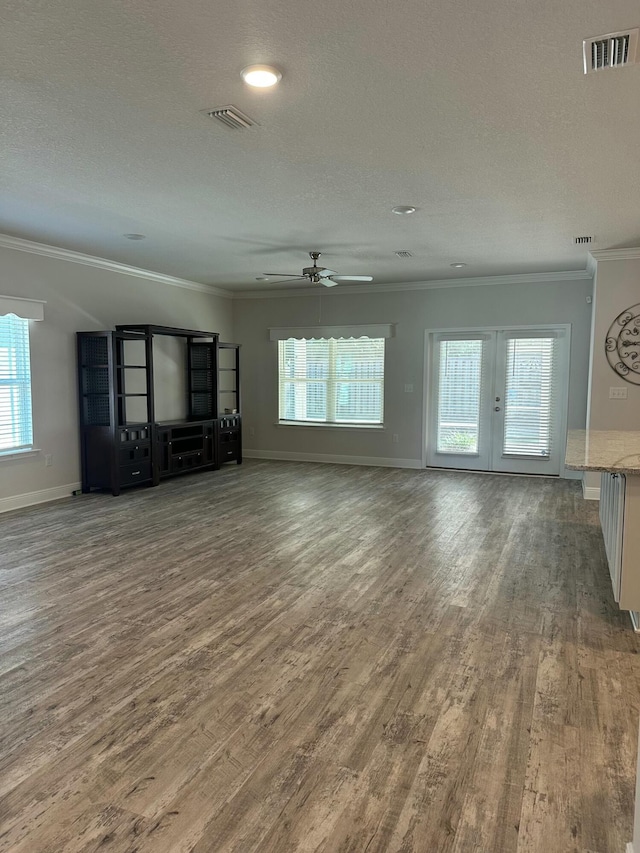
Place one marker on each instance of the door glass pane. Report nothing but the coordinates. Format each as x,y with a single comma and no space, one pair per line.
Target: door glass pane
459,386
529,395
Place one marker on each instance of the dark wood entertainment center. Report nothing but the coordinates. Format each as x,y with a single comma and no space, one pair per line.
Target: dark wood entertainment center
121,442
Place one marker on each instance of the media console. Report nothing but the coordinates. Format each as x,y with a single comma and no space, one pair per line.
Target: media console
121,442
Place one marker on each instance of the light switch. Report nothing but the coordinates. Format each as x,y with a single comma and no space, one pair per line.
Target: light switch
617,393
408,389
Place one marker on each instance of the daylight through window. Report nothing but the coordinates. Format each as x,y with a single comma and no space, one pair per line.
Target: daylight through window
16,429
334,380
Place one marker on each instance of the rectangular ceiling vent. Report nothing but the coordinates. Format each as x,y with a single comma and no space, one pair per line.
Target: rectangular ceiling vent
582,241
610,51
404,254
231,116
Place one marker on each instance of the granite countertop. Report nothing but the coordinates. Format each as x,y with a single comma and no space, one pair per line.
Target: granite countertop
603,450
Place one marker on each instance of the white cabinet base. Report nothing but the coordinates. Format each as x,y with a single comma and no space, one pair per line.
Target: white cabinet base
620,519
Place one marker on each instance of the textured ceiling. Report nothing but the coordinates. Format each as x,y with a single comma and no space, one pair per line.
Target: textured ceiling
477,114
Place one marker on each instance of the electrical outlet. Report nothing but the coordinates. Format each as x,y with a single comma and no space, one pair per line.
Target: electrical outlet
394,437
252,431
408,388
48,460
617,393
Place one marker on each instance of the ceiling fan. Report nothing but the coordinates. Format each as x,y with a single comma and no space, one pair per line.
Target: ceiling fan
319,275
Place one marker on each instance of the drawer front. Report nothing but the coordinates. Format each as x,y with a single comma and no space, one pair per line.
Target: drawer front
135,453
229,450
137,473
186,462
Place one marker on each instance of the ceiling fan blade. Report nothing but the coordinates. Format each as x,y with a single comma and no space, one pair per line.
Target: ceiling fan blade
328,282
338,278
285,274
289,280
325,273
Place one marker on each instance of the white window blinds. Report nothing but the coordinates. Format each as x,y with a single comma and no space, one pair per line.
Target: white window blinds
335,380
16,430
530,396
459,390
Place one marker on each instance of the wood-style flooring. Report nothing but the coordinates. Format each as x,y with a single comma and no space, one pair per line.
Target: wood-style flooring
294,657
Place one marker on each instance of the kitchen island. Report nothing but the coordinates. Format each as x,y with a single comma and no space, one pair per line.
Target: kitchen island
616,456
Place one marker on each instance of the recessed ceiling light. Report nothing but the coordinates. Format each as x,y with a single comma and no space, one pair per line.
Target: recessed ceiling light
261,76
457,266
135,236
403,209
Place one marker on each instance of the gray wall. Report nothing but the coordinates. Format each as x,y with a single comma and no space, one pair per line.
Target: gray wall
83,298
616,287
413,311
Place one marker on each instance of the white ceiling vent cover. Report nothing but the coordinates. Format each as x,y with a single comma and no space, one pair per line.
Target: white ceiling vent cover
610,51
231,116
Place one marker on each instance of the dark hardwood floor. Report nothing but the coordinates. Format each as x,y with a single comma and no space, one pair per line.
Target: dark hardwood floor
296,657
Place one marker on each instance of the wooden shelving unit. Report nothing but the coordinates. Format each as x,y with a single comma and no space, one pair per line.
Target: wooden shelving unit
229,414
121,442
115,432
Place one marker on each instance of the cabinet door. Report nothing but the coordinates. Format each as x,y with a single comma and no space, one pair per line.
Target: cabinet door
209,444
202,379
163,444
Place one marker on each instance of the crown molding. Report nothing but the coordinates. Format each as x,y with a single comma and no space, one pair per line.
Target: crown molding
485,281
632,254
21,245
47,251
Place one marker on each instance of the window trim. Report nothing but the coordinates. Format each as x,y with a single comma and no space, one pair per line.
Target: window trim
328,425
10,455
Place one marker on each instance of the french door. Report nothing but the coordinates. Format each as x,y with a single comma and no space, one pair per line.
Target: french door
497,400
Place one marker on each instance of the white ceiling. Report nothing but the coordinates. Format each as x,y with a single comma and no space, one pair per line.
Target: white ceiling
477,114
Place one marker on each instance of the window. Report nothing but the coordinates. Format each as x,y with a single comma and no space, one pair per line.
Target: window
331,380
16,427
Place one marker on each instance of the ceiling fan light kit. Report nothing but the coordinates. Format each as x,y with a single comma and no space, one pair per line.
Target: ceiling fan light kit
318,275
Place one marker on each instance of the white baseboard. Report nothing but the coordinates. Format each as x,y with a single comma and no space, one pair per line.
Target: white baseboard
629,848
378,461
41,497
590,493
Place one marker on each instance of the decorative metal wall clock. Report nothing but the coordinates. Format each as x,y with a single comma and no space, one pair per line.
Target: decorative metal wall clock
622,345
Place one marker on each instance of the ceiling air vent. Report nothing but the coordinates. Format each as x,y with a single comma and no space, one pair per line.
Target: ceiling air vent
583,241
610,51
231,116
404,254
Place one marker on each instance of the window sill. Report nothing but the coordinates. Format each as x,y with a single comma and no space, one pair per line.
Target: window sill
321,425
18,454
